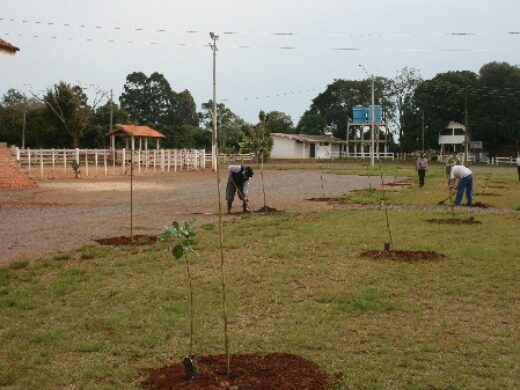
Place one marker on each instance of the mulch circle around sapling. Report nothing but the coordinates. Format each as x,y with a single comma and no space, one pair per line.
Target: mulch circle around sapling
139,239
402,255
486,194
267,210
454,221
323,199
280,371
398,184
480,205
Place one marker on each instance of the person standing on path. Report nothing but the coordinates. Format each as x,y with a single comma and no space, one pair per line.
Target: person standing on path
238,182
518,165
422,164
461,179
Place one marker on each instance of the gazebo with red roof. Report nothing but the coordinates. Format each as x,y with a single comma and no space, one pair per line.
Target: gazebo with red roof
7,48
132,132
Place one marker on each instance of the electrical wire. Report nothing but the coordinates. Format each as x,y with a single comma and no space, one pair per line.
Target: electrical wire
192,31
241,47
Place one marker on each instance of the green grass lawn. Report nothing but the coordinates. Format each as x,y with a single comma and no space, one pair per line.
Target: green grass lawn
296,284
495,187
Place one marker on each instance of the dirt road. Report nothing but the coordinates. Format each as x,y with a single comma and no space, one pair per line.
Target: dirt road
62,215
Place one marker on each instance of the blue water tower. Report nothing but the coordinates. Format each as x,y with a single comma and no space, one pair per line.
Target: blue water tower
377,113
359,114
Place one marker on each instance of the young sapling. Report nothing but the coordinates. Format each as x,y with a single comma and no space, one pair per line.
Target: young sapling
181,237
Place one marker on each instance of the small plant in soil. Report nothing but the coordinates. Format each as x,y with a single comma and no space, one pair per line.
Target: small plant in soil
487,178
180,237
389,244
76,169
321,180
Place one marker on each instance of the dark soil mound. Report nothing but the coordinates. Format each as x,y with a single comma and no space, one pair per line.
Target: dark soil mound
398,184
487,194
320,199
280,371
266,210
410,256
454,221
125,240
480,205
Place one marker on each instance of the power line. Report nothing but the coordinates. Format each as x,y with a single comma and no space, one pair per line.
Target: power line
194,31
285,48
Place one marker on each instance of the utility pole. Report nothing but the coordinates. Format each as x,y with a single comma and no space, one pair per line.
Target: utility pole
215,167
466,132
214,143
222,141
24,126
372,124
111,109
423,131
112,138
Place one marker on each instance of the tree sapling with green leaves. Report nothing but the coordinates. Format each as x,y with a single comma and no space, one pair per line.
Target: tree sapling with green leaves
76,169
181,238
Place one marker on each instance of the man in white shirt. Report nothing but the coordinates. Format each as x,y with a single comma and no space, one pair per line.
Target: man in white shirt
461,178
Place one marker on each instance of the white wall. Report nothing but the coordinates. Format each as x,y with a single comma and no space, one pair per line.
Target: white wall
323,151
451,139
288,148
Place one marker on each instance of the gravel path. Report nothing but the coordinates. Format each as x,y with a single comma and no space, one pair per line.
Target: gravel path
62,215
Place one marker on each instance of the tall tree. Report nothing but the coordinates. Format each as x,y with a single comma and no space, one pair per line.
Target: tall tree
312,123
279,122
68,105
441,99
334,105
229,124
495,112
402,89
13,105
152,101
95,134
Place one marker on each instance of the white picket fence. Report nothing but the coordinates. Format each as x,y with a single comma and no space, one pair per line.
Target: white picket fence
382,155
110,162
503,160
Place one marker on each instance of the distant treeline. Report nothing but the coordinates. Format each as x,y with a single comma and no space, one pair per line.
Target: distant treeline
488,102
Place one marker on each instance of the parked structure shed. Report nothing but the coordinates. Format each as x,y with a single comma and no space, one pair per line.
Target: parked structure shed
306,146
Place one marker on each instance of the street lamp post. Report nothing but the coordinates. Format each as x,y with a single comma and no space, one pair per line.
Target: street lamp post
372,124
423,132
214,139
423,127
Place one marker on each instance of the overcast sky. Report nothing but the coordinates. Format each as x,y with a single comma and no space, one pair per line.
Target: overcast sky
260,66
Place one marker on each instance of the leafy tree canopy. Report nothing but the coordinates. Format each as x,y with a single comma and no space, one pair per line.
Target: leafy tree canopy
279,122
334,105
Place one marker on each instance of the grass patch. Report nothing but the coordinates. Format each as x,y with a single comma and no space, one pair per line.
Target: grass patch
368,196
89,252
370,300
296,284
62,256
18,264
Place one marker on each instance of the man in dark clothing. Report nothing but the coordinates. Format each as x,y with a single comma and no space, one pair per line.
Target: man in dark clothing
238,182
422,164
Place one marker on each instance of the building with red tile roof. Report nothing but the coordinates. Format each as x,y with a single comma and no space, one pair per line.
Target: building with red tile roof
131,132
7,48
135,131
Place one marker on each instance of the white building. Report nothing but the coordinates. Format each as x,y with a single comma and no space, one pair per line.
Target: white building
306,146
452,138
452,141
